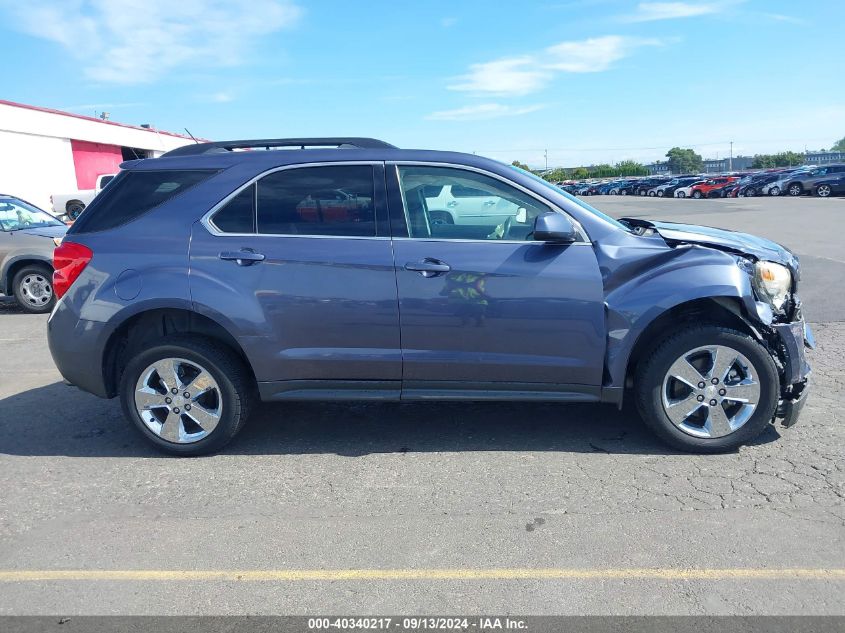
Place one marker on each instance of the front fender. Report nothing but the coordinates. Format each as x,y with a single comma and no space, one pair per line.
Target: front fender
11,259
638,294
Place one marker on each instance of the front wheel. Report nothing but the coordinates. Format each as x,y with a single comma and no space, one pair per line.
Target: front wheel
795,189
186,395
680,194
697,195
774,191
707,389
33,288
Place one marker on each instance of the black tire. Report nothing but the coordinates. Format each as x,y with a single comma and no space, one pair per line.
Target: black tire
750,192
74,208
824,191
23,278
795,189
235,381
697,194
680,194
651,372
441,217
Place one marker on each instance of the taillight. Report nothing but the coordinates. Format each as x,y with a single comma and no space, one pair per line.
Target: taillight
69,260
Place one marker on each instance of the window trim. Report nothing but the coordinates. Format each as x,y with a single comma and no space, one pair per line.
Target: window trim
584,238
208,222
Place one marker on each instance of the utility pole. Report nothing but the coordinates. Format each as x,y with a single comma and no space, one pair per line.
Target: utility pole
731,159
546,154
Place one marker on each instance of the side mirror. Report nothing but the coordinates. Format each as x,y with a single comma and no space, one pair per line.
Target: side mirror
554,227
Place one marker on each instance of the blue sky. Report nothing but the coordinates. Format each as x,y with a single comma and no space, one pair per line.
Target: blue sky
591,80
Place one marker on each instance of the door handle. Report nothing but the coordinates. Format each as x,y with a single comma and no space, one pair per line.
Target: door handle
242,257
428,267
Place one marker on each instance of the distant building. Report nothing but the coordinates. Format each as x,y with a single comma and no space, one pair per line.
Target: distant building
824,158
44,151
659,168
719,165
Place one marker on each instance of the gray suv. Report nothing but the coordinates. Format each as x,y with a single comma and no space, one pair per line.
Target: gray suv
27,238
209,278
801,182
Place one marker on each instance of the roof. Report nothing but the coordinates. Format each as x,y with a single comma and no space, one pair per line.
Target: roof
93,119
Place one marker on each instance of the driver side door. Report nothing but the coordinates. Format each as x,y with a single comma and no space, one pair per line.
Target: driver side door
484,309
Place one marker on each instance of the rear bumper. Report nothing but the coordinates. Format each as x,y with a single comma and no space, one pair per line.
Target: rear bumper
795,337
77,347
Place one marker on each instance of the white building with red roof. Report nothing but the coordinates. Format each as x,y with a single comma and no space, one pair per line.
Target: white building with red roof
44,151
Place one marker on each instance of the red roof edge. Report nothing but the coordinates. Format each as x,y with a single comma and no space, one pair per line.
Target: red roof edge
95,120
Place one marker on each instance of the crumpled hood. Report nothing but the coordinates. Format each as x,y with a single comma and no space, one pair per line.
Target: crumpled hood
45,231
744,243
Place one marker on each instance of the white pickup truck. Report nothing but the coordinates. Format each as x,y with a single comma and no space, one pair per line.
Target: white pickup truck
72,204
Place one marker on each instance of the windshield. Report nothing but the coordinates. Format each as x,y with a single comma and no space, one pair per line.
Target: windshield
573,199
16,214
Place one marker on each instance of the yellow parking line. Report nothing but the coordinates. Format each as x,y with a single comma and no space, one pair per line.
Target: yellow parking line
288,575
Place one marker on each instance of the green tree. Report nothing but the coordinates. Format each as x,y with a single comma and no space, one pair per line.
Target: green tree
631,168
556,175
581,173
684,161
839,146
782,159
516,163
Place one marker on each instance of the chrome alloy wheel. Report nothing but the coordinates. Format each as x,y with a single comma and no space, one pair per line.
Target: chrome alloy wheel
823,191
178,400
710,391
36,290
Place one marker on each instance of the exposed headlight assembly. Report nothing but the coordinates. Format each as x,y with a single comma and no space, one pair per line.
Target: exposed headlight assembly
772,282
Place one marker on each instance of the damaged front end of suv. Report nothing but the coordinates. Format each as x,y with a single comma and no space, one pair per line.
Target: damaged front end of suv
765,290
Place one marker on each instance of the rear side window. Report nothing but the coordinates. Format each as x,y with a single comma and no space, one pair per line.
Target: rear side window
132,194
331,200
238,215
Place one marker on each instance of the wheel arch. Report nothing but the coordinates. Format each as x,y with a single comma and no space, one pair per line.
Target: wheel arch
74,201
14,264
146,327
724,311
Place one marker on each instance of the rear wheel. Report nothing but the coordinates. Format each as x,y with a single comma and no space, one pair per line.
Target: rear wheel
74,208
680,194
186,395
823,191
774,191
660,193
697,194
33,288
707,389
750,192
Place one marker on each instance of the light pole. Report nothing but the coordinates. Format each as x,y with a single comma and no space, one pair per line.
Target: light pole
731,159
546,155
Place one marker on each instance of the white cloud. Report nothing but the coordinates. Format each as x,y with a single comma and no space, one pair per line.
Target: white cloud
482,111
222,97
511,76
649,11
514,76
593,55
139,41
448,22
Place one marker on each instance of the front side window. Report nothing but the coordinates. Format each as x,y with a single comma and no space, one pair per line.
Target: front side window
332,200
450,203
16,214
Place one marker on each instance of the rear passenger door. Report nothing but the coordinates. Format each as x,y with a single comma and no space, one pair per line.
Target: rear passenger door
300,264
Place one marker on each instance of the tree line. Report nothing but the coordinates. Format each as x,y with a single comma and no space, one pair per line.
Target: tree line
679,161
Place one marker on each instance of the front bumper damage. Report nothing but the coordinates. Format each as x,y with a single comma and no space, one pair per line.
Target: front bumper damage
793,338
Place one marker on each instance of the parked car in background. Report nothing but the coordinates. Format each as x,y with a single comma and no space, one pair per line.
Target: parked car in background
28,236
751,186
703,189
668,189
72,204
249,297
778,187
460,204
685,191
643,186
805,182
831,187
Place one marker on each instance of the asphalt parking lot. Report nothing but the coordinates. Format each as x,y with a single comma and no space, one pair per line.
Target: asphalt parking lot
433,508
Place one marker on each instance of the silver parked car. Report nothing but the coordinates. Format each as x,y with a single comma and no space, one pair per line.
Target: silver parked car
28,236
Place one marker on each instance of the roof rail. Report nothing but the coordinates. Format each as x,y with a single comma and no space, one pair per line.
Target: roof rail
267,143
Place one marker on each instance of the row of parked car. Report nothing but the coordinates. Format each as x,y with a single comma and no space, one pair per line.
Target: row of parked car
819,181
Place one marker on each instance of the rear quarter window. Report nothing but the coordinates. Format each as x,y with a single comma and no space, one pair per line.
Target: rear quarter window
134,193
